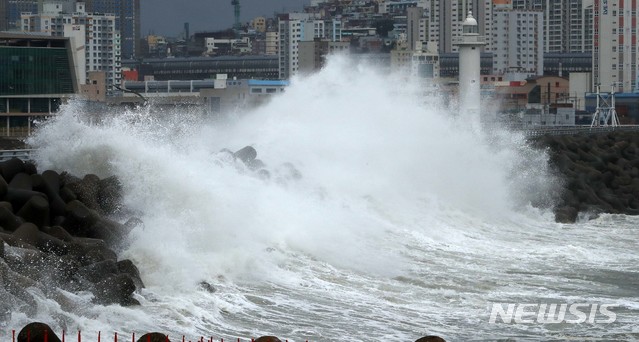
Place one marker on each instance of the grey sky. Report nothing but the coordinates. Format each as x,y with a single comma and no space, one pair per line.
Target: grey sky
167,17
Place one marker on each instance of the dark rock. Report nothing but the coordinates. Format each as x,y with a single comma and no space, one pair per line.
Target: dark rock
207,287
27,233
30,168
51,187
246,154
268,339
116,289
67,194
18,197
87,191
21,181
431,339
8,220
36,210
37,332
89,251
10,168
255,164
154,337
132,223
59,232
128,267
98,271
78,219
566,215
109,195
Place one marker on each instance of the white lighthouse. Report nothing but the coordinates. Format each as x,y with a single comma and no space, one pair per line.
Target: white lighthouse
470,44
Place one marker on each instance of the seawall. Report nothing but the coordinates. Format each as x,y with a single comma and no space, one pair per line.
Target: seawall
600,172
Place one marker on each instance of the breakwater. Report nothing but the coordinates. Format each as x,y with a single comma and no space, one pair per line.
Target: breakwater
55,234
600,172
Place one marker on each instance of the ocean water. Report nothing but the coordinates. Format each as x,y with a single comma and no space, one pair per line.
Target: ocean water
387,216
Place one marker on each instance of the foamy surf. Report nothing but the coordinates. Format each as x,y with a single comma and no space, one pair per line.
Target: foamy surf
401,222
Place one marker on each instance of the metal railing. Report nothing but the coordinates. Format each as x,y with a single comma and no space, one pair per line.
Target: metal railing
20,154
573,130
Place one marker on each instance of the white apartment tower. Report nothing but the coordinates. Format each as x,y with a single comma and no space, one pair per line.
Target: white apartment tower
297,27
101,42
615,44
567,23
517,48
444,20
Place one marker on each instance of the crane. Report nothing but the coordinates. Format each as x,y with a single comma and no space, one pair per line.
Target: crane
236,5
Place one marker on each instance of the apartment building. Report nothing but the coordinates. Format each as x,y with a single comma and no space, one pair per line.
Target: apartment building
518,37
615,44
96,41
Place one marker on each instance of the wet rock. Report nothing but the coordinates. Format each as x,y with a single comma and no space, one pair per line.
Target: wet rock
8,220
109,195
268,339
36,211
21,181
116,289
154,337
19,197
206,286
431,339
601,172
98,271
10,168
37,332
246,154
127,266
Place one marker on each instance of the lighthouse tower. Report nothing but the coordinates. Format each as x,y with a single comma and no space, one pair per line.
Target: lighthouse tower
470,44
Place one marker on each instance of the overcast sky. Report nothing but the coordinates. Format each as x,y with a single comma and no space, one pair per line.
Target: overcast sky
167,17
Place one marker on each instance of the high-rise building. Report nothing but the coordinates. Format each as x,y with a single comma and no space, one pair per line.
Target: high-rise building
13,9
518,43
297,27
127,13
94,36
615,44
415,23
567,23
445,20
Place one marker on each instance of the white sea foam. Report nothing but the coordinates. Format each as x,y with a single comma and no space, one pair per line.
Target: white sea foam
404,221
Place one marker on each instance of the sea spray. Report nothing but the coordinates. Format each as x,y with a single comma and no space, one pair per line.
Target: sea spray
397,208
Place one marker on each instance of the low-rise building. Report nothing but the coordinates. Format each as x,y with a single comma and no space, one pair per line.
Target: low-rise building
38,77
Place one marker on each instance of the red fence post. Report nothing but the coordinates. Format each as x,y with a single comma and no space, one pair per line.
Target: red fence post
46,335
79,336
13,336
133,338
62,335
115,337
148,338
28,335
98,336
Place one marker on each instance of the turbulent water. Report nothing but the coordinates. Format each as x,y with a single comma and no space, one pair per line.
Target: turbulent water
386,216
